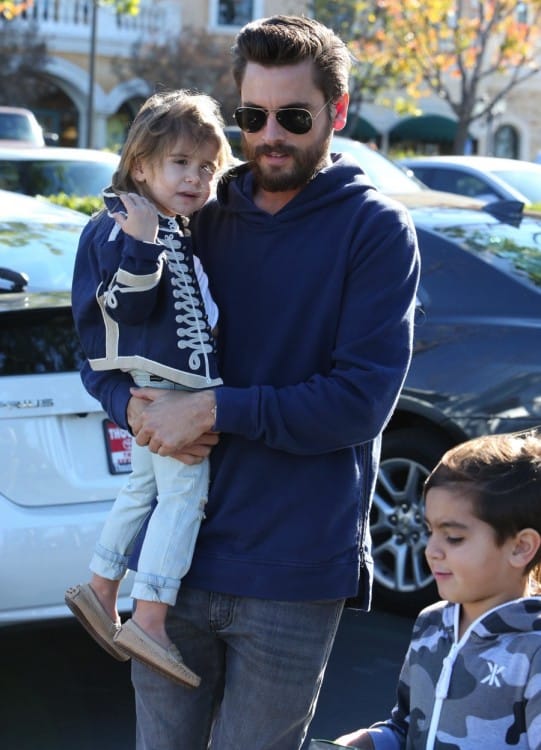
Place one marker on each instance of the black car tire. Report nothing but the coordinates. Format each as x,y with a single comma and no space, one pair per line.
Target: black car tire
402,580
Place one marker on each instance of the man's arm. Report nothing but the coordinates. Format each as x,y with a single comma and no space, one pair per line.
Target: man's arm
347,404
113,390
345,401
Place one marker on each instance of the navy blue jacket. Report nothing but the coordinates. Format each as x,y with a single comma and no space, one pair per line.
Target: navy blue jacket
138,305
316,320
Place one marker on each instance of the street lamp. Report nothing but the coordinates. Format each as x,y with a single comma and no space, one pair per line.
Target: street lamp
91,76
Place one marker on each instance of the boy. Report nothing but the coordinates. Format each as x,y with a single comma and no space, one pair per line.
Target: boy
472,674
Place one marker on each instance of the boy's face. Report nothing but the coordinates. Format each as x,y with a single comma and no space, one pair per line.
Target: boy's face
181,183
467,564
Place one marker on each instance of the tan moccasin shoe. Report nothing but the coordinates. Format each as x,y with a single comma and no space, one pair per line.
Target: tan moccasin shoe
166,661
88,609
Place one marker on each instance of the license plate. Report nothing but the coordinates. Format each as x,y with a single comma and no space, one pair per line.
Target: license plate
118,445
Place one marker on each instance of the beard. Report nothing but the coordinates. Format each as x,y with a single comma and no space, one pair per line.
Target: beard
307,163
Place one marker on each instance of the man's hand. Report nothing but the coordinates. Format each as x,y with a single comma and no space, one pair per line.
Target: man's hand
198,451
173,423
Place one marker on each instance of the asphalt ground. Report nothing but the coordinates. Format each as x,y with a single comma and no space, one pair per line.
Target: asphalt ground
60,691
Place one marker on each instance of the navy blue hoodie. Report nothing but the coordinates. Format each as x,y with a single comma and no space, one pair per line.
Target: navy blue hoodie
316,318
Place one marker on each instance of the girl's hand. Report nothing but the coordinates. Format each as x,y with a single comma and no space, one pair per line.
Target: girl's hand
141,218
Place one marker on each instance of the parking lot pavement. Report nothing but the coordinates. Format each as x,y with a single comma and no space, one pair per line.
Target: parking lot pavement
359,685
60,691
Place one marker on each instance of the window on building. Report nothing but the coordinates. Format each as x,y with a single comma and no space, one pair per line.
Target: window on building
506,142
522,12
234,12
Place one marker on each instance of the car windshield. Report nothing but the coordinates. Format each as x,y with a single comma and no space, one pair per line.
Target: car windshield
50,177
526,182
514,249
385,174
15,127
44,251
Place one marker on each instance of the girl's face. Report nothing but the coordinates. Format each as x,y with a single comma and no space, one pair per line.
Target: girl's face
468,566
182,182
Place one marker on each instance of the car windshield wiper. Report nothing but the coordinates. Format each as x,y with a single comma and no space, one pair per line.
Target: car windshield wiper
17,280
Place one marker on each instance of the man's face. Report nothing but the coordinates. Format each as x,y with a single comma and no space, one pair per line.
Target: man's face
283,161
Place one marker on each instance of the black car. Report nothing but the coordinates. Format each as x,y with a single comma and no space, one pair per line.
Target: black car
476,368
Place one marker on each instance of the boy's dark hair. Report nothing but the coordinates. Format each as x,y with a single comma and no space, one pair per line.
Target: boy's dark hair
501,475
288,40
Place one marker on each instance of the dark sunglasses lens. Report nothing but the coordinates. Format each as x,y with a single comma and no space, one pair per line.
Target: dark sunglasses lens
298,121
250,119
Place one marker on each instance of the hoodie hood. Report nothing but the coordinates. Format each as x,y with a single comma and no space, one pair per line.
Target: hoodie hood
334,183
517,616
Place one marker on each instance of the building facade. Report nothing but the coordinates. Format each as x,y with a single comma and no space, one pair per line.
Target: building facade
91,106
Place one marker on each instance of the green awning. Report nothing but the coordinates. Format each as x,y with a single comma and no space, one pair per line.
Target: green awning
430,128
361,130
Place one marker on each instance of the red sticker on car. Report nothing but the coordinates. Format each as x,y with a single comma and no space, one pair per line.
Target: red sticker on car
118,444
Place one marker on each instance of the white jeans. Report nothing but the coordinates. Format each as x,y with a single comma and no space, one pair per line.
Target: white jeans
167,549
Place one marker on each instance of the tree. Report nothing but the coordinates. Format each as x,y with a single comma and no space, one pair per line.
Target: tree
12,8
195,60
9,10
23,53
128,7
469,53
360,25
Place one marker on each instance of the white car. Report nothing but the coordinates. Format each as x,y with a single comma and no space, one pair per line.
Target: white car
486,178
19,127
61,461
51,170
386,175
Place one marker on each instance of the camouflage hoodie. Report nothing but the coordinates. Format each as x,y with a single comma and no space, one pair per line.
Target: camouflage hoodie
482,691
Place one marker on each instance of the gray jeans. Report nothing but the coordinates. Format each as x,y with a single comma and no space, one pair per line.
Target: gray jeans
261,665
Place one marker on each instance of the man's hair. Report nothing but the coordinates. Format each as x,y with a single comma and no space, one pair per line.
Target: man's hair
501,476
163,120
288,40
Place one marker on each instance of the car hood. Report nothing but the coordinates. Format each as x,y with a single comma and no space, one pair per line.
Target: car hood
437,198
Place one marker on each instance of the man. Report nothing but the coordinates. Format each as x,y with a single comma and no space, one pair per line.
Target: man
315,274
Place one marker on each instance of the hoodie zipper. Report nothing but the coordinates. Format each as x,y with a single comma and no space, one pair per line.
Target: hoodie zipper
442,686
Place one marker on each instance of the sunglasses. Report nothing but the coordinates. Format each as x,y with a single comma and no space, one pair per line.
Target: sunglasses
293,119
